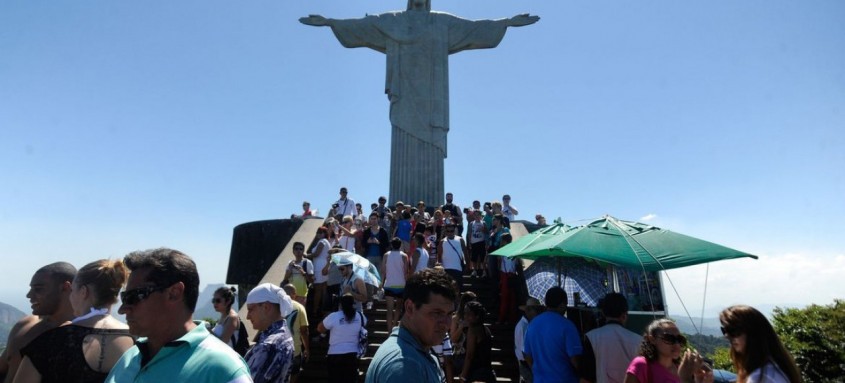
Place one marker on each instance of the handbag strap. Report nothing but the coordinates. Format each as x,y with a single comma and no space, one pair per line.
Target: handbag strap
460,254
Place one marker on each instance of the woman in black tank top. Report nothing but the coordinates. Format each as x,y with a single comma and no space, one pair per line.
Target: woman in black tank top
85,349
479,343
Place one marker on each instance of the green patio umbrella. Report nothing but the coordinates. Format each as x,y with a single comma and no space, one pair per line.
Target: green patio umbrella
620,243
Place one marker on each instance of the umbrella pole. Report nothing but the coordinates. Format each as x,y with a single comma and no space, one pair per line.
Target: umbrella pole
558,272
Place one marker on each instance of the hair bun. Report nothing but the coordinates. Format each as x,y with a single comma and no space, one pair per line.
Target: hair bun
234,289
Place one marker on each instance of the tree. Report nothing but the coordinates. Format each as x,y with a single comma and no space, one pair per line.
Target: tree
815,336
722,359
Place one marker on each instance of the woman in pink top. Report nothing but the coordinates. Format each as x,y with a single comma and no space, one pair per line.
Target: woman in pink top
662,359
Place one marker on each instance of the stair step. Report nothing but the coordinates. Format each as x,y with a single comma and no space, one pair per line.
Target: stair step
502,353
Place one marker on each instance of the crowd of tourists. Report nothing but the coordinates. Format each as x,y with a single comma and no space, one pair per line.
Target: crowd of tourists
400,240
437,333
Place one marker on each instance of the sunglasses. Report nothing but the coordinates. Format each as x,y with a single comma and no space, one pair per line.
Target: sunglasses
299,248
730,332
671,339
135,296
217,300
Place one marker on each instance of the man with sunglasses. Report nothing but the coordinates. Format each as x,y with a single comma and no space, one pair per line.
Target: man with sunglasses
352,284
609,349
300,272
159,301
345,205
450,254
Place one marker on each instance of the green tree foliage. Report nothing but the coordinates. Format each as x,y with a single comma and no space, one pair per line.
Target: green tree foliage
722,359
707,344
815,336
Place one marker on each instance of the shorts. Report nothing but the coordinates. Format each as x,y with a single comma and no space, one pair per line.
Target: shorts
477,251
457,275
395,292
332,298
296,367
375,260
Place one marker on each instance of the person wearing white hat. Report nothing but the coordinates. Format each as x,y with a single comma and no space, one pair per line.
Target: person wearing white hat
271,358
352,284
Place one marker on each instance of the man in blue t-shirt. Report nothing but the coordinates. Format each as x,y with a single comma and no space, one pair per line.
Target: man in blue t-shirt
552,344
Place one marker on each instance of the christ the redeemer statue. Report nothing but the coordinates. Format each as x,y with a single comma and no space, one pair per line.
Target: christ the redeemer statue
417,43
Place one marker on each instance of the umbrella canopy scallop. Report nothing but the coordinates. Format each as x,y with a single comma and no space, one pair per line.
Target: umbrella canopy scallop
621,243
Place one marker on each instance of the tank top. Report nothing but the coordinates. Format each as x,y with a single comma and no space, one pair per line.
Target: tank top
395,270
482,357
57,354
217,330
351,283
453,254
320,260
422,263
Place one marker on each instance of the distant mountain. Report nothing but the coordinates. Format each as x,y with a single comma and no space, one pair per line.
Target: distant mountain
710,326
8,316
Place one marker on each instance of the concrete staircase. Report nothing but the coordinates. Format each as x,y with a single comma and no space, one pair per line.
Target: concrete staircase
504,360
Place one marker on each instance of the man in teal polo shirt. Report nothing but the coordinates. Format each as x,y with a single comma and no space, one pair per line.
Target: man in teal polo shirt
158,302
406,355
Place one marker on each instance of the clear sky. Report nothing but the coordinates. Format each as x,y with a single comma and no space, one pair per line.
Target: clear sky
134,124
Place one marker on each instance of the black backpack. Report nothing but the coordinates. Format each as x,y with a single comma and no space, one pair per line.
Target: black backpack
242,343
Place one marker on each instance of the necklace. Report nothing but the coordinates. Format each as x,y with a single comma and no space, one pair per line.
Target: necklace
94,312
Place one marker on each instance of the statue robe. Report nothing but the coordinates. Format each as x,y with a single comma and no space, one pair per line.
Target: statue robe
417,45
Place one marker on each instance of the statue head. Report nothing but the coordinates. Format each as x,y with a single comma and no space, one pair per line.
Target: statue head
419,4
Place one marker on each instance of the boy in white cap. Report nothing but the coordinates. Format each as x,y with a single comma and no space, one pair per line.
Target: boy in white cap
271,358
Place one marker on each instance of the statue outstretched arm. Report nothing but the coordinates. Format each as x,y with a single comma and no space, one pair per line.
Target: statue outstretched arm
316,20
522,20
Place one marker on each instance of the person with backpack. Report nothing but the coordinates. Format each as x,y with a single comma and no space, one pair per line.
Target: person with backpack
300,272
298,324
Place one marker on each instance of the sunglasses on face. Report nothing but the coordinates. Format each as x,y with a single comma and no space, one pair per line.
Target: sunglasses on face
217,300
671,339
730,332
298,248
135,296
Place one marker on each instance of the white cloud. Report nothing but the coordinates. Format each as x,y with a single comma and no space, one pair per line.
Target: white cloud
792,280
648,217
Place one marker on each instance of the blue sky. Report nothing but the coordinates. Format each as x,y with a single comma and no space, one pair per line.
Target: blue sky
130,125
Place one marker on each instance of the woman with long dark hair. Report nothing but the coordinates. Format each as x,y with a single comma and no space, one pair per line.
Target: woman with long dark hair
227,326
756,351
344,324
320,258
458,331
662,359
479,344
